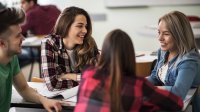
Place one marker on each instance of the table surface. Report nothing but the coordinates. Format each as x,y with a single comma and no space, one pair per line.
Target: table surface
32,41
17,100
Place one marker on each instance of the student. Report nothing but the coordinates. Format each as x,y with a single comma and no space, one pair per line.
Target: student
10,45
39,21
65,52
112,85
178,64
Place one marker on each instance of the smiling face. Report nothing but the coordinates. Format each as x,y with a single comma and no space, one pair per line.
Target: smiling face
165,38
77,32
14,41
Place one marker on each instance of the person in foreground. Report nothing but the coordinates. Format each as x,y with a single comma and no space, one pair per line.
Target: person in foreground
68,49
10,44
178,64
112,85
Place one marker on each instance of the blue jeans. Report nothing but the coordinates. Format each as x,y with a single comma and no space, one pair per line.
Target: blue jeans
28,56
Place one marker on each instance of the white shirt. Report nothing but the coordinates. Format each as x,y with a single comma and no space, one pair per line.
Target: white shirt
163,72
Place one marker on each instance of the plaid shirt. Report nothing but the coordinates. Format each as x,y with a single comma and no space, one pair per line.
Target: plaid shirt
55,62
138,95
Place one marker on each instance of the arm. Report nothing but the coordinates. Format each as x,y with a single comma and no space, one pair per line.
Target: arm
71,76
165,100
51,71
186,73
153,77
31,95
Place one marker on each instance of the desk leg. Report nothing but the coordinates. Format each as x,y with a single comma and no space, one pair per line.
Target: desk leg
31,72
39,62
32,65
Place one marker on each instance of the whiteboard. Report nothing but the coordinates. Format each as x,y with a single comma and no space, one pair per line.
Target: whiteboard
135,3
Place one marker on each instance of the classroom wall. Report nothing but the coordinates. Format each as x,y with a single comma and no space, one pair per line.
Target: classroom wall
133,20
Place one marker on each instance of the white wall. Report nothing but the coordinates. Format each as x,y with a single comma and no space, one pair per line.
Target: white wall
131,20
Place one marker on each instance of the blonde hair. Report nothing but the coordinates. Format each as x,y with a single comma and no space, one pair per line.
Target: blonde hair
180,28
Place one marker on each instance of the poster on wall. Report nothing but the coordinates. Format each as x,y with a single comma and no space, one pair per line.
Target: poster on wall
137,3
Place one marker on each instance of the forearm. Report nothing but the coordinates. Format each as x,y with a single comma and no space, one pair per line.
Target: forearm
153,80
71,76
55,83
59,81
31,95
52,80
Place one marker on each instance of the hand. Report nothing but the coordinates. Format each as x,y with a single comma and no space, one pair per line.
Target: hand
69,76
51,105
160,87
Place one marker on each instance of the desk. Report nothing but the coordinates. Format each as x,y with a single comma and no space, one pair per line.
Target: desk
18,101
144,63
33,43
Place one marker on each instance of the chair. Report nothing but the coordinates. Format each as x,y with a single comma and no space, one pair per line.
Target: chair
37,79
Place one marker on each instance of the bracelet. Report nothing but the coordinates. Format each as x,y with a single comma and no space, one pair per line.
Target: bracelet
78,77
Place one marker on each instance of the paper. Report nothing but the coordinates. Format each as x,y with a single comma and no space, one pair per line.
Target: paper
187,98
72,99
69,92
42,89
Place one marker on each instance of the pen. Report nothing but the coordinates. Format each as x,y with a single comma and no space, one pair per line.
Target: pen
139,55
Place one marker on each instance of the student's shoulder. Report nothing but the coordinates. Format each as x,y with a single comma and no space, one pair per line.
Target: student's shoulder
88,71
191,57
192,54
